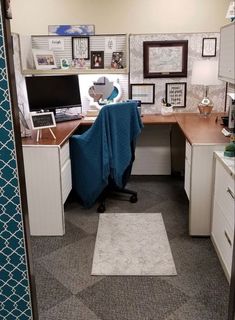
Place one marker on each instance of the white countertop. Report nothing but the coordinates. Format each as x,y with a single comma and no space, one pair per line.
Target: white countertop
228,162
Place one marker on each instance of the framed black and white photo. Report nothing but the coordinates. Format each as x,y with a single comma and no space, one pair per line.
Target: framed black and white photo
97,59
176,94
81,48
209,47
145,92
165,59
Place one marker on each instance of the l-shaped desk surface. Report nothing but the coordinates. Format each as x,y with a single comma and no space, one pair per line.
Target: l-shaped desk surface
197,129
47,161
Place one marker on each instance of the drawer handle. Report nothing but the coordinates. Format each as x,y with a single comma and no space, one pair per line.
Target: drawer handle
231,193
228,239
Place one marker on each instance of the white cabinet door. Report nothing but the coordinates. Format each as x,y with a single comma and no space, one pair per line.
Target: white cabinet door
201,189
227,53
223,216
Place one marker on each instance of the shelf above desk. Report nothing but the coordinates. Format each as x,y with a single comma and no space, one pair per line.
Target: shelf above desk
34,72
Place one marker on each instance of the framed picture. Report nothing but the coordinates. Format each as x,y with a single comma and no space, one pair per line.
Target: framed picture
145,92
44,60
80,48
116,62
165,59
209,47
176,94
97,59
72,30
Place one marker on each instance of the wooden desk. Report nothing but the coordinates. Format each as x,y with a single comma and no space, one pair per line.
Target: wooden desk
62,131
199,130
48,170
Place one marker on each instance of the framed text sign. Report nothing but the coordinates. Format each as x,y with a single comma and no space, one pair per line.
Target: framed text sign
176,94
81,48
209,47
165,59
42,120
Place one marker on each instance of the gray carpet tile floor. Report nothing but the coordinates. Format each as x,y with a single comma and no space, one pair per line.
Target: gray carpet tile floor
67,291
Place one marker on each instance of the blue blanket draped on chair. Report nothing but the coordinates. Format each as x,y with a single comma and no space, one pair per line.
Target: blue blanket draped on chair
104,150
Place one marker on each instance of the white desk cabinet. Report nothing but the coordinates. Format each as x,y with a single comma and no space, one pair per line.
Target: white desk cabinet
48,183
198,186
222,233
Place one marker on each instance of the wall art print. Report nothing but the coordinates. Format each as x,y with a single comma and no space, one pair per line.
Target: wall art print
71,30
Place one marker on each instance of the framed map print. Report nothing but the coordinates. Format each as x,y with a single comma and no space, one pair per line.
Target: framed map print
165,59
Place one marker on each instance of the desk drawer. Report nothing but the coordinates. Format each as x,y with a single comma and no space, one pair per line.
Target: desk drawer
224,192
64,154
66,180
223,237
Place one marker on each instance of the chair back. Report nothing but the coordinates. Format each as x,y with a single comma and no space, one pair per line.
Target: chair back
105,150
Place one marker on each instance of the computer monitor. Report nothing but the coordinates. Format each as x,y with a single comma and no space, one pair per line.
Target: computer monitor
53,92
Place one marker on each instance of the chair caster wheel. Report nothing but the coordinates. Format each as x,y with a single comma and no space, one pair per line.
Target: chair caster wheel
133,198
101,208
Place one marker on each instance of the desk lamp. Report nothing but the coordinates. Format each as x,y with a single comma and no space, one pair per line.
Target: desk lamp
205,72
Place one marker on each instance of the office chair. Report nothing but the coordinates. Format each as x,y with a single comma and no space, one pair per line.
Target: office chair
102,157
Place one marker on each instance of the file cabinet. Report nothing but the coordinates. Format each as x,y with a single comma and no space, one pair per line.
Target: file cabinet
48,183
222,232
198,186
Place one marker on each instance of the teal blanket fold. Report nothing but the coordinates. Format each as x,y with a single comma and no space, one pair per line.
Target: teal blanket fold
104,150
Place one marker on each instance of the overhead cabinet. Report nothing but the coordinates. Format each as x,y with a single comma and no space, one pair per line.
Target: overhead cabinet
227,53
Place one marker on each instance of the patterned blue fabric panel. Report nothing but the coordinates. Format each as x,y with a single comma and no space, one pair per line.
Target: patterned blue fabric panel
15,300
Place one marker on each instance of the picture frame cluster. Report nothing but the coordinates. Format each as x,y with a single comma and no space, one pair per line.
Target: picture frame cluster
83,53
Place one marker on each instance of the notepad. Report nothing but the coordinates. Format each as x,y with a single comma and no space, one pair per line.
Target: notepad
89,118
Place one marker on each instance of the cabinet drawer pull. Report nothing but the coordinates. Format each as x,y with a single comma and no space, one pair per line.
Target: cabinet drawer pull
227,237
231,193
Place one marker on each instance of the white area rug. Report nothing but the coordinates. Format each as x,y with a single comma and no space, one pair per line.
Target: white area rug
132,244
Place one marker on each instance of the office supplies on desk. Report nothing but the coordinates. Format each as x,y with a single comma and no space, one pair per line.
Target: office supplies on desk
225,132
89,118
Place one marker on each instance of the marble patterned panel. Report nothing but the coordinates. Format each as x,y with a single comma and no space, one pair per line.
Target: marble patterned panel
132,244
194,93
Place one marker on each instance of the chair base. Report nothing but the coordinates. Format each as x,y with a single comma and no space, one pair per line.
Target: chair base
133,198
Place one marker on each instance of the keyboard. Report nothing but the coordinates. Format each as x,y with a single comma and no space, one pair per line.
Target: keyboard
67,117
